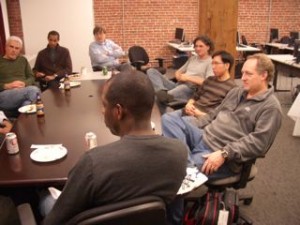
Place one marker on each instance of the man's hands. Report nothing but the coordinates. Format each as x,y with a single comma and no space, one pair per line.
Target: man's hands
6,127
213,162
14,84
191,110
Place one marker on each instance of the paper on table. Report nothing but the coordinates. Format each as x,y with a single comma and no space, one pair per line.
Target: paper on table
55,193
193,179
45,146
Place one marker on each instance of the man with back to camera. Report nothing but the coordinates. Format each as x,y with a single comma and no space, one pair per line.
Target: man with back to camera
16,78
106,53
242,128
52,63
141,163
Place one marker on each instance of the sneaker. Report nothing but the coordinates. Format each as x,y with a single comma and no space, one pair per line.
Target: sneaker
193,179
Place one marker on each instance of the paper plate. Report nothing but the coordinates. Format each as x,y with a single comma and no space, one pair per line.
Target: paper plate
72,84
48,154
28,109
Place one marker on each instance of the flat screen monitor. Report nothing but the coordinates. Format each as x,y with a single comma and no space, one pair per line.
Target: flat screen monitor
274,34
293,36
296,50
238,39
179,34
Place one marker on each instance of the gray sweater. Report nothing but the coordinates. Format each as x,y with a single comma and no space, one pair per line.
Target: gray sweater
246,128
132,167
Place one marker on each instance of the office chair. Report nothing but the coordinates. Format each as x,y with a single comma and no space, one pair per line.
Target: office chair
148,210
239,181
140,59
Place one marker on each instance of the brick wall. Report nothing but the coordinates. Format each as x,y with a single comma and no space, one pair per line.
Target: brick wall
14,18
253,18
151,23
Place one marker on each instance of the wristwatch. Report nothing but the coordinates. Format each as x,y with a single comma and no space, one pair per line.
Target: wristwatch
224,154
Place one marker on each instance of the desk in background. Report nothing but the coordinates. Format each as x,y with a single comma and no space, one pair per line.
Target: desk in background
279,48
285,65
68,116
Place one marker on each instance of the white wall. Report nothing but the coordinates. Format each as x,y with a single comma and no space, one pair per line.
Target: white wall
5,18
74,20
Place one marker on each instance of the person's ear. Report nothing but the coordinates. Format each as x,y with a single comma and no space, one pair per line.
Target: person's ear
119,111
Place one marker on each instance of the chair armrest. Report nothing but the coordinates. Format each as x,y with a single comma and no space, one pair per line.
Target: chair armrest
26,215
160,62
245,174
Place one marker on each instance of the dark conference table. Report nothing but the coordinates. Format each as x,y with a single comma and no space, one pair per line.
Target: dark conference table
68,117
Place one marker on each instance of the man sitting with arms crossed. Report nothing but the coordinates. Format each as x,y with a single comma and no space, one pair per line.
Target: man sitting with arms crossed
106,53
242,128
141,163
210,94
16,77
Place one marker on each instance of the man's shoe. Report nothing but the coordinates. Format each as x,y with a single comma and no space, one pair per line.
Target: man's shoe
164,97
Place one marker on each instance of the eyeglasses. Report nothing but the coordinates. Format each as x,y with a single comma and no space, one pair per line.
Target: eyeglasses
217,63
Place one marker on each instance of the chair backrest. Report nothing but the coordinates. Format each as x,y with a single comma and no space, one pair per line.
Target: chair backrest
149,210
137,53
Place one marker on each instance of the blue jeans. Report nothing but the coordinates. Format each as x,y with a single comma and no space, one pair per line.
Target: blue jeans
175,125
179,91
15,98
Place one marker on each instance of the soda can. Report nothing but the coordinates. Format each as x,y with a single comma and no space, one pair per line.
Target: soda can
11,143
91,140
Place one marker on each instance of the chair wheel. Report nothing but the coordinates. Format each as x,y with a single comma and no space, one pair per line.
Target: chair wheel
248,201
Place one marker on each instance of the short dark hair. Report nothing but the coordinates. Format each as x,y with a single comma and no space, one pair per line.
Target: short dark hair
54,33
207,41
226,57
132,90
99,29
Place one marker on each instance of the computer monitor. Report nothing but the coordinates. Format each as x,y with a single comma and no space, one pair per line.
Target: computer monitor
293,36
238,39
274,34
179,34
296,50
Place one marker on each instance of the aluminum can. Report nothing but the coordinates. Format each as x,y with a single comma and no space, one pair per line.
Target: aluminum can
91,140
11,143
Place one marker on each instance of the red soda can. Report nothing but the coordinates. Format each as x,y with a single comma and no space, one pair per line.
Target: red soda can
91,140
11,143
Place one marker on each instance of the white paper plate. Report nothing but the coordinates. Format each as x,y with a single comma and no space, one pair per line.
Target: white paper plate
48,154
28,109
72,84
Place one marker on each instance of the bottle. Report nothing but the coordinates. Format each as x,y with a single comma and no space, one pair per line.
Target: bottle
39,106
67,85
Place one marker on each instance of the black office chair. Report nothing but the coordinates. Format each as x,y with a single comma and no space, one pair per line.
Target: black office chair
148,210
239,181
140,60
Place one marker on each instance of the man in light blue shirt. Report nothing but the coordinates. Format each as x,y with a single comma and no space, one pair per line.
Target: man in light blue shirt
106,53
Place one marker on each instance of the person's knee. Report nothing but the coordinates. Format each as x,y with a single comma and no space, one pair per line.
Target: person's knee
33,89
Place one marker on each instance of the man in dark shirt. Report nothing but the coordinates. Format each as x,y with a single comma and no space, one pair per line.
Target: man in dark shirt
52,63
141,163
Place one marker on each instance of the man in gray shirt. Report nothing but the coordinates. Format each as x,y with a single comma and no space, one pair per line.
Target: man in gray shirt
242,128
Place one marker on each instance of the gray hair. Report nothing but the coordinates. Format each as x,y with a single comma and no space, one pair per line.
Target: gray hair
14,38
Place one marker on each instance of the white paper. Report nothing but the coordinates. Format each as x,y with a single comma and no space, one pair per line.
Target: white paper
193,179
294,114
45,146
